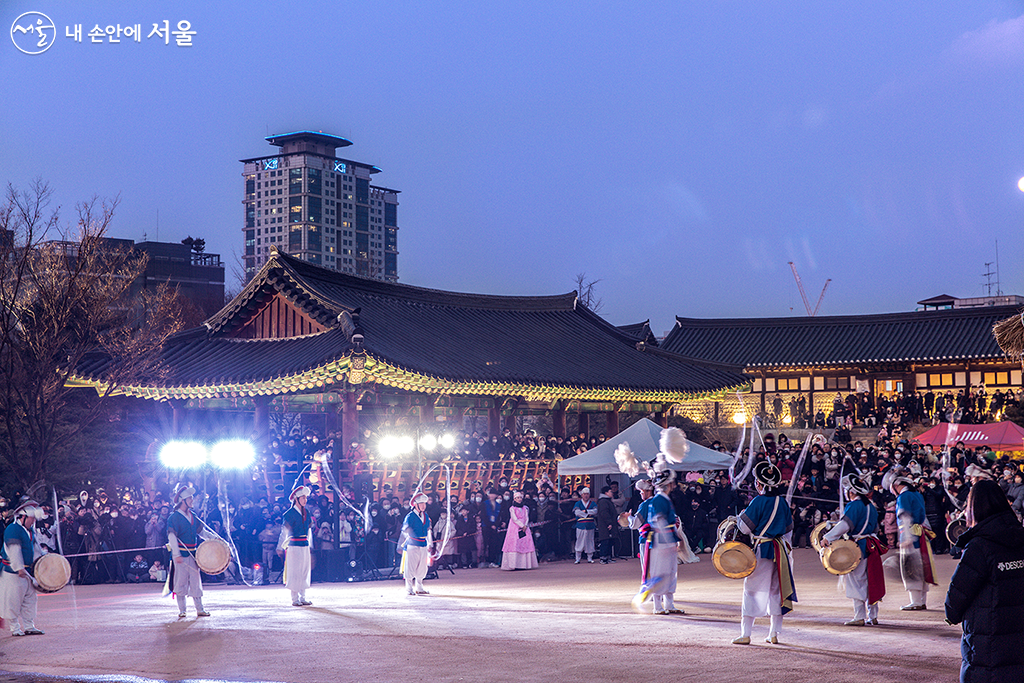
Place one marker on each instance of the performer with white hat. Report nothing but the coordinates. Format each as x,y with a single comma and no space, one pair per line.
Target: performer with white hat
769,590
17,595
585,511
916,561
656,520
294,546
662,566
184,532
865,585
417,534
638,521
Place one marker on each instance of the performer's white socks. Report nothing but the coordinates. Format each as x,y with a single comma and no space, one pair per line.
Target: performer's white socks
776,627
859,610
181,603
746,626
198,602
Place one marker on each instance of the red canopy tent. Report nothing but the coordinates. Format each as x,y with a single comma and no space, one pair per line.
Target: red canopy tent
999,436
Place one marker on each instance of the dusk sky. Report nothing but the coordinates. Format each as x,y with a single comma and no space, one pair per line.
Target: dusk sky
680,152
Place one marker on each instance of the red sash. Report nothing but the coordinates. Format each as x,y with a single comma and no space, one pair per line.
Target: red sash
876,578
926,556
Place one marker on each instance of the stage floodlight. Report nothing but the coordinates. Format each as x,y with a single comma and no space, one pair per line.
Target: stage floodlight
447,441
406,444
739,418
232,454
428,442
388,447
183,455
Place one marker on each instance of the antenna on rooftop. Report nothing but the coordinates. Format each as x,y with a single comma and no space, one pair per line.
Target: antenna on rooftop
999,291
988,278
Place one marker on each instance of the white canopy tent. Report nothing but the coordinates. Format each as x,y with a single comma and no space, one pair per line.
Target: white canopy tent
643,439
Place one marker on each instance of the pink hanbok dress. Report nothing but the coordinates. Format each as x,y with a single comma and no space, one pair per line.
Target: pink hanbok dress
518,552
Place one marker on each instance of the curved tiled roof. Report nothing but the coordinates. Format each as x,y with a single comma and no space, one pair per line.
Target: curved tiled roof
415,337
919,336
641,332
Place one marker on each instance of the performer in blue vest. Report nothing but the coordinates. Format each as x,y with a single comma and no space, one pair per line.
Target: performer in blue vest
662,567
585,511
865,585
916,561
184,532
638,521
417,534
294,546
17,594
769,590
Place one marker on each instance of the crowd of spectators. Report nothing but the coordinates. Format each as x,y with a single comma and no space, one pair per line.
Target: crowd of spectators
368,525
894,411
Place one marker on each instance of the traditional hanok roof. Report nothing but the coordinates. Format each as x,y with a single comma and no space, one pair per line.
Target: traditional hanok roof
921,336
641,332
362,330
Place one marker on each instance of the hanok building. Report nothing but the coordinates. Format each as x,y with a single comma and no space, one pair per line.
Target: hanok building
303,338
944,347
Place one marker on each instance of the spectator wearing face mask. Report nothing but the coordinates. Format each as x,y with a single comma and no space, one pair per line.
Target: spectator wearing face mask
466,533
506,503
936,507
489,520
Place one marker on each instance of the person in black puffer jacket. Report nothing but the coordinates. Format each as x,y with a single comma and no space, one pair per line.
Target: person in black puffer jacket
986,592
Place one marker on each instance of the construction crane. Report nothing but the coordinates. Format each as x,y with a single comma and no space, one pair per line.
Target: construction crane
803,294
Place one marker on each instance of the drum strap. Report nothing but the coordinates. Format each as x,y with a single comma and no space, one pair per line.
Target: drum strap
867,519
775,510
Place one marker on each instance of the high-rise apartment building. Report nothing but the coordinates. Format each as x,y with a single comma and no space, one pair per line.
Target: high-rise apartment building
315,205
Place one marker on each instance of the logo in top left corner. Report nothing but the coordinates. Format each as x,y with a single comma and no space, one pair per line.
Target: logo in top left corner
33,33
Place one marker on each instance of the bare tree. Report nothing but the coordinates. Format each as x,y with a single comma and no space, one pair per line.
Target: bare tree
585,290
66,297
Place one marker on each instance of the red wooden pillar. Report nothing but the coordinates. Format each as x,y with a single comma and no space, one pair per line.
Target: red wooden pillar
494,418
261,422
584,423
661,419
349,420
179,414
558,422
611,427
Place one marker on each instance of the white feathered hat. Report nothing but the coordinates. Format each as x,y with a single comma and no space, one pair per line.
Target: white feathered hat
181,492
299,491
30,508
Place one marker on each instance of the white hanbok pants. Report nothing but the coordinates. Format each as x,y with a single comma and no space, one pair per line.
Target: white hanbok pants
297,570
18,601
415,567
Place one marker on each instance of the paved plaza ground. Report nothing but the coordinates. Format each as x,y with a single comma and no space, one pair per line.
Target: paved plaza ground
559,622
